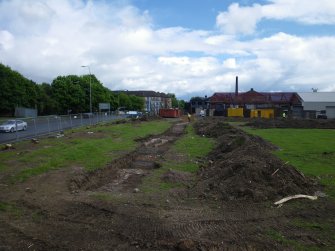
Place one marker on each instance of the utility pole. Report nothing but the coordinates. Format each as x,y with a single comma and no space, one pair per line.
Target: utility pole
89,70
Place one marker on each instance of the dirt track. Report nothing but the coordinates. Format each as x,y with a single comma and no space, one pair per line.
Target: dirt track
228,207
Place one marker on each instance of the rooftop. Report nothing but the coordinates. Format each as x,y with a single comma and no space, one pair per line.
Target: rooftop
255,97
317,96
144,93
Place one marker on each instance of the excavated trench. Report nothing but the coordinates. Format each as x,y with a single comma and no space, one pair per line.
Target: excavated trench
125,173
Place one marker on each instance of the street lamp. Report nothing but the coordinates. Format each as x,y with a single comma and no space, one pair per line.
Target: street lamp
89,70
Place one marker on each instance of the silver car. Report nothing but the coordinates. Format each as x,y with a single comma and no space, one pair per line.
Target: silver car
13,125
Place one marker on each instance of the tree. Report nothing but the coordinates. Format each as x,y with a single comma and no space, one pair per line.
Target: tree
124,101
16,90
197,99
137,103
45,103
68,94
100,94
175,102
114,100
65,94
181,104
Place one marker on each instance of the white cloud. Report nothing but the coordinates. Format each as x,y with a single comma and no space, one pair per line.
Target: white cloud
289,60
230,63
6,40
244,19
239,19
304,11
125,51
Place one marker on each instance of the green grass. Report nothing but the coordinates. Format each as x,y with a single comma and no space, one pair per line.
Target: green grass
9,208
295,244
90,153
321,230
189,165
188,149
312,151
194,145
315,226
153,183
277,236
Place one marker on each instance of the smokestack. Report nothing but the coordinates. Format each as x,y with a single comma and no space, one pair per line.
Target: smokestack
236,86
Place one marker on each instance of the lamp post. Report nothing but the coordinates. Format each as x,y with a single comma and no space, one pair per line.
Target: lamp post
89,70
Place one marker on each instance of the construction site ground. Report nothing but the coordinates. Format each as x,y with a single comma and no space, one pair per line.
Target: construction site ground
227,205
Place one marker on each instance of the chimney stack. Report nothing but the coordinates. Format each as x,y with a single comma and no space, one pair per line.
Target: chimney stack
236,86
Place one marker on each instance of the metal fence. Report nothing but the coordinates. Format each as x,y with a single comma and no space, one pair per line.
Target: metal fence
55,124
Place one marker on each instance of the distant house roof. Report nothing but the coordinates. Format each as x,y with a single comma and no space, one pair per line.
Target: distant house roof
226,97
145,93
253,97
317,96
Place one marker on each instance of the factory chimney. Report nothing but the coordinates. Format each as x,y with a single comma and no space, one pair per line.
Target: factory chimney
236,86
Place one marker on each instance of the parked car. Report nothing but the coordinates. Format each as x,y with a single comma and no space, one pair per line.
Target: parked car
88,115
13,125
133,114
321,116
121,111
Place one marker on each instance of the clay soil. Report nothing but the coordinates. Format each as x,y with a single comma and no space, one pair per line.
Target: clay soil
226,205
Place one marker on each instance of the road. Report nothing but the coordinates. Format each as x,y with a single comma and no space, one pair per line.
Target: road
53,124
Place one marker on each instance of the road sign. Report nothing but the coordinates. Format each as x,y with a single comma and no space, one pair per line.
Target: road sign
104,106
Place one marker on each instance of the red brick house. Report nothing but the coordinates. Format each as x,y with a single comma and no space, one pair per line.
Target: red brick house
289,102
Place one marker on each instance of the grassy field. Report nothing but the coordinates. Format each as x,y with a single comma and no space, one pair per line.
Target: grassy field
312,151
187,153
90,148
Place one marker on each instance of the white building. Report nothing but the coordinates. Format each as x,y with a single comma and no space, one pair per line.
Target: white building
153,100
319,103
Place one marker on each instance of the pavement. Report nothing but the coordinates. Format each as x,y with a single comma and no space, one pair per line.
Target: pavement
52,124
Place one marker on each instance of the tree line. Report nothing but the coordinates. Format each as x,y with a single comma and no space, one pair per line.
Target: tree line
66,94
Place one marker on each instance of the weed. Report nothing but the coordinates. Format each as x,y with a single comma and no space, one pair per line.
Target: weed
103,196
277,236
312,225
10,209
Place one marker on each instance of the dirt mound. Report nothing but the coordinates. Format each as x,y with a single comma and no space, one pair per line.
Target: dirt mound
176,177
243,168
292,123
213,127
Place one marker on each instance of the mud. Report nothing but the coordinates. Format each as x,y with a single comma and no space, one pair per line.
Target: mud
177,177
217,209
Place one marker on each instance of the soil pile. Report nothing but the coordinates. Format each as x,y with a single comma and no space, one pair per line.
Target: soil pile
292,123
174,176
243,168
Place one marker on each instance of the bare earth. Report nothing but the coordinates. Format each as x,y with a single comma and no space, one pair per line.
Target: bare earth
228,206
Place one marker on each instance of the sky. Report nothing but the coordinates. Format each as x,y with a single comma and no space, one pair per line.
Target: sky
187,47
